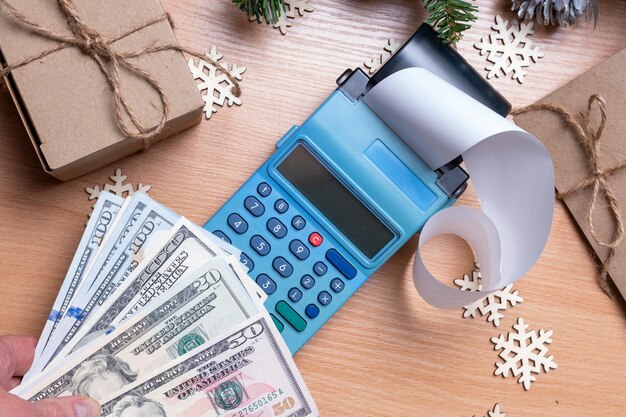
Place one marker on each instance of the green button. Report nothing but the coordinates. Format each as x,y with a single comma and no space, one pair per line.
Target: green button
291,316
279,325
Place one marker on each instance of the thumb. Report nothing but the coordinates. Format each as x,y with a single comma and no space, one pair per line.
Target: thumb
66,407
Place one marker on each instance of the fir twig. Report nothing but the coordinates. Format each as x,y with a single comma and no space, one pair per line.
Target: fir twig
450,18
263,10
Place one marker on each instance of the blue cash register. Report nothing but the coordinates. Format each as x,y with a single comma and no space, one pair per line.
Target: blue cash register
341,194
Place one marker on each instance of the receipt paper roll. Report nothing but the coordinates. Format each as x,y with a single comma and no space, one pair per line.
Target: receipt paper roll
511,172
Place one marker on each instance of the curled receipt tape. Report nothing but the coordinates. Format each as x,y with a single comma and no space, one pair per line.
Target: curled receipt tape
511,171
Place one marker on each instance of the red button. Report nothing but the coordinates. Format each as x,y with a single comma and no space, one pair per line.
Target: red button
315,239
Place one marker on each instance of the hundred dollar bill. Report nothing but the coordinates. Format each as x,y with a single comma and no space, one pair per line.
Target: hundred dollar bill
210,302
146,220
184,249
103,216
247,371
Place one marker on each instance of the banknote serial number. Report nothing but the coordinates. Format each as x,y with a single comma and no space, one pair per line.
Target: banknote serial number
279,407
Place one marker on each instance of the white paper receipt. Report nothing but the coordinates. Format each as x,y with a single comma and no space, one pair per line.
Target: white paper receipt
511,172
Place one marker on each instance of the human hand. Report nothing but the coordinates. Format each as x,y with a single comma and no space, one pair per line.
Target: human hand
16,356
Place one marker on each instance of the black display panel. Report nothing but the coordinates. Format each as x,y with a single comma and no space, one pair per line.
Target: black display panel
335,201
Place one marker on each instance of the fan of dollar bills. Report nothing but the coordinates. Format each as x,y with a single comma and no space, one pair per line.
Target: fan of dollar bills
156,317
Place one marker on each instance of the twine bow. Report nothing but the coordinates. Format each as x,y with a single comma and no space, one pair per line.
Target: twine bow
590,136
98,47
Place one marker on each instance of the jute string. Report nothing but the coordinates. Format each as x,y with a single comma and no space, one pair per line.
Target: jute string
589,136
98,47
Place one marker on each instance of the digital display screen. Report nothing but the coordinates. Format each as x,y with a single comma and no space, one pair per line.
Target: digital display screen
346,212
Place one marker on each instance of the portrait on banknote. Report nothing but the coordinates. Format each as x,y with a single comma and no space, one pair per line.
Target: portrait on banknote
101,375
134,406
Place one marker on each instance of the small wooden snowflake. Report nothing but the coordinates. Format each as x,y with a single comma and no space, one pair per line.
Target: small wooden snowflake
524,353
496,412
509,50
379,60
119,187
493,304
293,8
214,83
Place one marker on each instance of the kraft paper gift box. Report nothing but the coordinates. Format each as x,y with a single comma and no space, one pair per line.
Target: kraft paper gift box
572,165
64,100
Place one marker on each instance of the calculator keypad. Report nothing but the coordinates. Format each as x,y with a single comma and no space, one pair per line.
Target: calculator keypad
286,248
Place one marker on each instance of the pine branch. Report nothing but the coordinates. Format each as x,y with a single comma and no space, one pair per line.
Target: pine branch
450,18
263,10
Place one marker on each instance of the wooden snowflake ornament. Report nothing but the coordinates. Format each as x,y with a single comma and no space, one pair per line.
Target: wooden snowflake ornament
493,304
378,61
524,353
510,49
293,8
213,82
119,187
496,412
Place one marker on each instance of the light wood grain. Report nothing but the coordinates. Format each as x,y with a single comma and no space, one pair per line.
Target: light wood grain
386,353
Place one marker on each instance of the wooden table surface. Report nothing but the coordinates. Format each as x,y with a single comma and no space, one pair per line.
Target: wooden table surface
386,352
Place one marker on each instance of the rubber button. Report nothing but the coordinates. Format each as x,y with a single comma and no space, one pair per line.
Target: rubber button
260,245
266,283
237,223
320,268
298,222
254,206
281,206
312,311
246,261
295,295
324,298
299,249
264,189
291,316
307,281
337,285
339,262
277,228
279,325
282,266
315,239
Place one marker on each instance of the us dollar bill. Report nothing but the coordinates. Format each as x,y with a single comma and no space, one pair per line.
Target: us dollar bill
211,301
184,249
98,227
146,221
246,371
